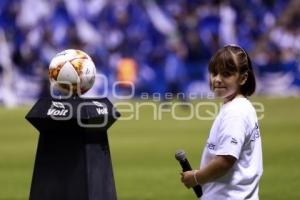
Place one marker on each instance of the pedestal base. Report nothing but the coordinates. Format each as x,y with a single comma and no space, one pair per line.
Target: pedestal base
73,168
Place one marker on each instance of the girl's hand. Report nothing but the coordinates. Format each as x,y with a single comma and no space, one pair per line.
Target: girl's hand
187,178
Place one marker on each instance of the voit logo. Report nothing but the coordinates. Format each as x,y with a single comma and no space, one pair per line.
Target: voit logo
101,110
57,109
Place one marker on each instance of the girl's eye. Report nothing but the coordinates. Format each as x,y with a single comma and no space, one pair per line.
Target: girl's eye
214,73
226,74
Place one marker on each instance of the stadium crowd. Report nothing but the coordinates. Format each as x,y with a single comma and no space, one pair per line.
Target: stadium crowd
163,45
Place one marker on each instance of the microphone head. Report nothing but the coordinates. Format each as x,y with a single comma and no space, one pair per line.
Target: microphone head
180,155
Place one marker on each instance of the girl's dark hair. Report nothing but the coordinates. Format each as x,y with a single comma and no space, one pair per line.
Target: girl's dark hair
233,59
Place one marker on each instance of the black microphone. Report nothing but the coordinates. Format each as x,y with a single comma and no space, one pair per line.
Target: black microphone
180,156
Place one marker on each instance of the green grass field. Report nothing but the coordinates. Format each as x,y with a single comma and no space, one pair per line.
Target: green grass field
143,152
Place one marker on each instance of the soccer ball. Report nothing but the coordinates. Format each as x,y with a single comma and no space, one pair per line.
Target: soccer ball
72,72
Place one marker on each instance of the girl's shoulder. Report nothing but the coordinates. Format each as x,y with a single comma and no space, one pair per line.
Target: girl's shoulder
238,106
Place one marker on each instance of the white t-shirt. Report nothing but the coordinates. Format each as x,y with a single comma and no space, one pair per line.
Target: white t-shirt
235,132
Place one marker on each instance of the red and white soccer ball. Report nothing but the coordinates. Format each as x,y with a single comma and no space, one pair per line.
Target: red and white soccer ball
72,72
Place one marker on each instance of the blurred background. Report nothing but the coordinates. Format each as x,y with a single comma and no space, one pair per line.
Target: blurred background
160,46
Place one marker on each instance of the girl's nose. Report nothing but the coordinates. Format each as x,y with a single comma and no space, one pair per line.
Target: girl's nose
218,78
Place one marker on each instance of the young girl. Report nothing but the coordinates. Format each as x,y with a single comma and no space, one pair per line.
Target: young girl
231,164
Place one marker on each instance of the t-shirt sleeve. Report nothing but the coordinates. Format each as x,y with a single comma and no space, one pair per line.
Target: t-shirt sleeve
231,135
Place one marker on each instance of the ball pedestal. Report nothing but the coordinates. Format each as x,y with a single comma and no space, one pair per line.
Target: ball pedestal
73,158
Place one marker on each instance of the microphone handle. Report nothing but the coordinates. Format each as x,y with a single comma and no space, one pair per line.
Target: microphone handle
187,167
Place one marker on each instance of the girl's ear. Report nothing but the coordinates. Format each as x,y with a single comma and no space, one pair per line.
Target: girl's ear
243,78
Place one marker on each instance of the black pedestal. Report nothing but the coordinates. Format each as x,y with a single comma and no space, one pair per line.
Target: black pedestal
73,159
